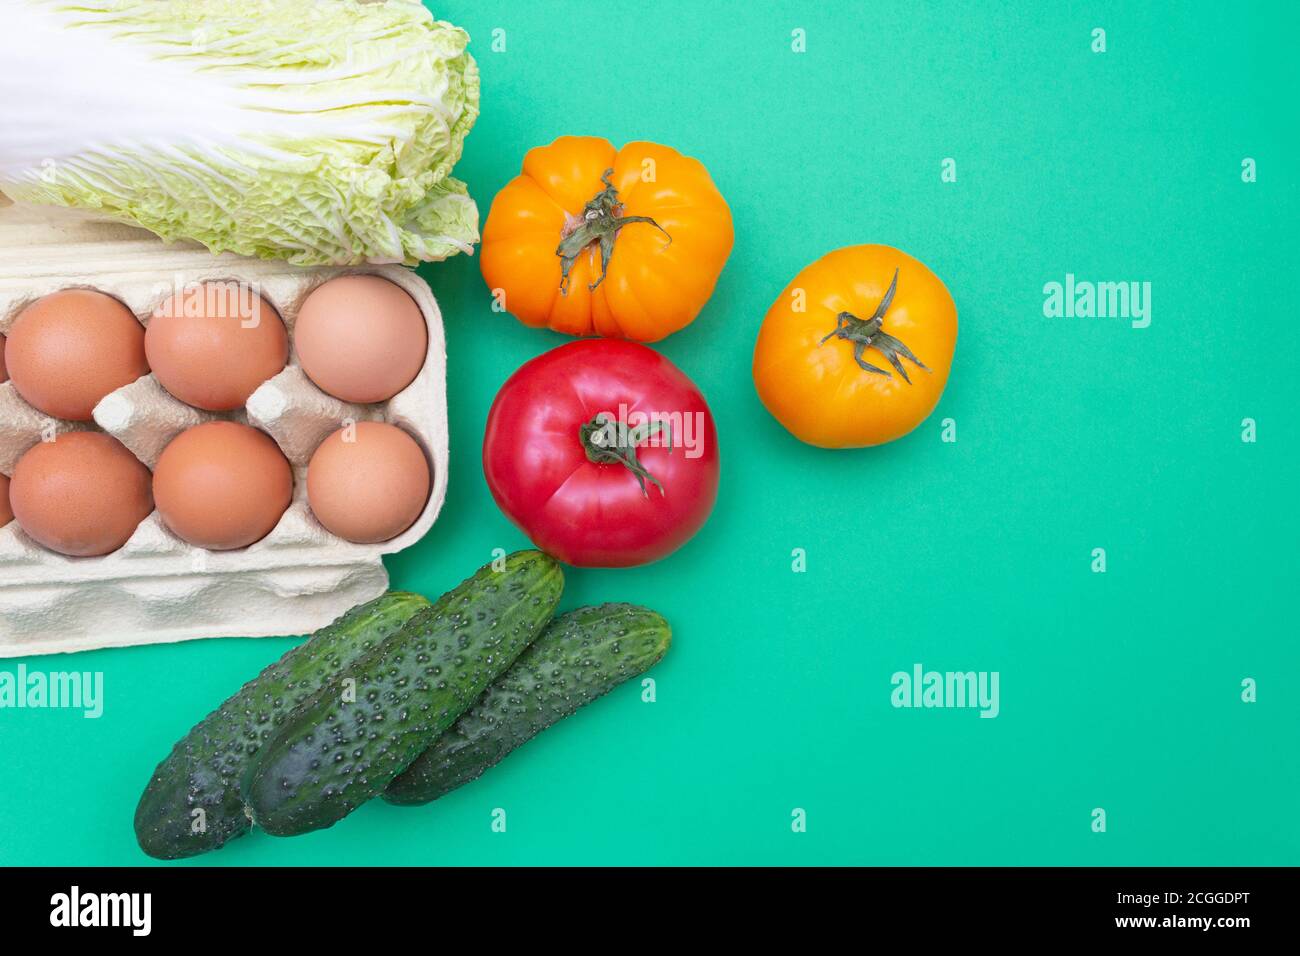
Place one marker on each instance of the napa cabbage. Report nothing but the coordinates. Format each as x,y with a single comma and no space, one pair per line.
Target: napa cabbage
315,132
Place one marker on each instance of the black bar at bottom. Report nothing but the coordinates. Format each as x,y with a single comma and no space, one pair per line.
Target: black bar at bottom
334,905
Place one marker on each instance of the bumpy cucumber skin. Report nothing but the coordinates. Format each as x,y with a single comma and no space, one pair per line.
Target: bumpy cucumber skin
335,753
204,769
579,657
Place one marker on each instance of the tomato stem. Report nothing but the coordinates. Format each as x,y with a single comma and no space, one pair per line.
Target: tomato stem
867,334
600,222
608,441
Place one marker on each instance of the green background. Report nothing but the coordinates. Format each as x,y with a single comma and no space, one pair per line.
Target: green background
1119,690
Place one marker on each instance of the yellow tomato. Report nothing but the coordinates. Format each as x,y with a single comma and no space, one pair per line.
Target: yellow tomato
590,240
856,350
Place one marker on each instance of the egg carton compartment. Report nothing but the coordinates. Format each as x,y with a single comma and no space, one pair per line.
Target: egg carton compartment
158,588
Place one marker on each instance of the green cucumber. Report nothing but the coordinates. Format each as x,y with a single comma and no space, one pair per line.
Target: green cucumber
367,725
192,803
579,657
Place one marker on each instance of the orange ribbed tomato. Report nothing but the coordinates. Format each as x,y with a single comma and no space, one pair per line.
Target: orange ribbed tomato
590,240
856,350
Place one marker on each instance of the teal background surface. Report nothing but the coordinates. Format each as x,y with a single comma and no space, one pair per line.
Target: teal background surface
1119,690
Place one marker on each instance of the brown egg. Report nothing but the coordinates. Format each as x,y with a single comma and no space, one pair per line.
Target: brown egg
222,485
4,372
6,512
368,483
361,338
82,494
212,345
68,350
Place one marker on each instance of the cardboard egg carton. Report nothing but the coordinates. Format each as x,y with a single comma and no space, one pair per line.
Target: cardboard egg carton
157,588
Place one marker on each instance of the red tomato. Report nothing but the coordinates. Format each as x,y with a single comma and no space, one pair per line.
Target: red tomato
603,452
